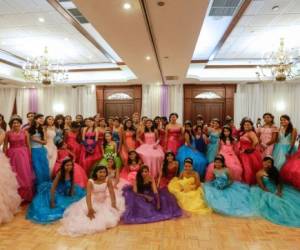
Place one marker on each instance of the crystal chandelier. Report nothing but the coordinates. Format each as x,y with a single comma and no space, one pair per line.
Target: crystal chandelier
280,65
41,70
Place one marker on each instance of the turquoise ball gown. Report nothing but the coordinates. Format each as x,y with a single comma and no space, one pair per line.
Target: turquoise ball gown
284,210
227,198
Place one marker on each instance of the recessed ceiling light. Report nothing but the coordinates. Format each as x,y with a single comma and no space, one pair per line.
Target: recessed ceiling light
275,8
126,6
41,19
66,39
148,58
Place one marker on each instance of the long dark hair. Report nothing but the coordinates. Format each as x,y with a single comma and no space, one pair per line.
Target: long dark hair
290,127
132,128
221,158
166,163
269,114
14,118
152,129
191,132
172,115
37,127
244,120
140,179
46,122
59,117
272,172
63,174
96,169
223,137
3,124
154,122
75,125
105,142
137,157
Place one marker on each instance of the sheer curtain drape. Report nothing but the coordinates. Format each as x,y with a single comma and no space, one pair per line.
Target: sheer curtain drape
22,100
253,100
7,101
151,105
176,100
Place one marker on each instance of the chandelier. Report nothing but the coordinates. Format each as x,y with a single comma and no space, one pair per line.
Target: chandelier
42,70
280,65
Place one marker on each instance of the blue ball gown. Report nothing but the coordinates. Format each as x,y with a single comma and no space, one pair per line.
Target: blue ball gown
281,149
227,198
284,210
213,146
40,211
199,159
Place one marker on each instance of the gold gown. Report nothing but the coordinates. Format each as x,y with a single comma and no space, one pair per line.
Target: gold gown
188,199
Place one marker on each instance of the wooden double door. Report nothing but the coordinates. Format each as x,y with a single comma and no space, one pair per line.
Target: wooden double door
211,101
118,101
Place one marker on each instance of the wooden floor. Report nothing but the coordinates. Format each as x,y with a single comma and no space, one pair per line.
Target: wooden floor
195,232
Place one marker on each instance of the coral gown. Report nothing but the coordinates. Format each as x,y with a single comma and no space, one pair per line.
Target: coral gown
172,171
80,177
129,172
151,157
73,145
174,140
231,160
290,172
131,144
19,156
251,162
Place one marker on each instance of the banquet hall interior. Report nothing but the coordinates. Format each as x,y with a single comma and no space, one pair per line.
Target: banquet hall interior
147,124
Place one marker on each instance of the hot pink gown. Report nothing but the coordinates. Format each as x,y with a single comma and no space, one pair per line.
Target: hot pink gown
129,172
251,162
174,140
265,137
151,157
172,171
231,160
90,153
74,145
20,162
290,171
80,177
131,144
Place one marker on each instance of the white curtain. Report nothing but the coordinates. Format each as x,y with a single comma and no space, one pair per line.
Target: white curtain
86,101
176,100
151,95
253,100
7,101
22,100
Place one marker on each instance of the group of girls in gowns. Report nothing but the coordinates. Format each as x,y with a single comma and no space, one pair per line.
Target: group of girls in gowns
132,180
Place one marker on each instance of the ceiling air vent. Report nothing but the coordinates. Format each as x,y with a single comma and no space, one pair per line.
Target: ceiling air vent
224,7
77,14
172,78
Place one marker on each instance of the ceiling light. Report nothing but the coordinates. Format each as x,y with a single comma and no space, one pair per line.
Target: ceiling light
275,8
148,58
41,19
126,6
66,39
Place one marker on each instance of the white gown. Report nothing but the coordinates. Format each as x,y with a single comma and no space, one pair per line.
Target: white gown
75,221
9,197
51,149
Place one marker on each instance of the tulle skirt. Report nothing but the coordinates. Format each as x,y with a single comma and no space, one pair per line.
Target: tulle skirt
290,172
280,153
40,165
9,197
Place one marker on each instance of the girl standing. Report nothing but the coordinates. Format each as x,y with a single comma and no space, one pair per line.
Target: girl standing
59,123
267,135
73,140
150,151
117,133
129,140
50,146
169,170
68,122
227,146
101,131
174,132
249,154
97,211
213,140
145,204
285,145
9,197
187,190
54,197
200,139
38,151
17,148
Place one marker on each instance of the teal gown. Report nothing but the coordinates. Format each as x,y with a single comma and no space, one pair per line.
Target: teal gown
232,199
284,210
213,146
281,149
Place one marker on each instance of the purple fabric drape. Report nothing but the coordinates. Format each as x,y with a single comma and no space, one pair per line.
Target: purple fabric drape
164,100
33,100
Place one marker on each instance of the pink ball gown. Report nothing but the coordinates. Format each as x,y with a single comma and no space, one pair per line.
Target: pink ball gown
75,221
231,160
265,137
129,172
80,177
251,162
290,171
73,145
20,162
174,140
151,157
90,152
131,144
9,197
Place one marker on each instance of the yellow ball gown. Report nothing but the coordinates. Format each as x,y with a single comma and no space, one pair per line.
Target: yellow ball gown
187,197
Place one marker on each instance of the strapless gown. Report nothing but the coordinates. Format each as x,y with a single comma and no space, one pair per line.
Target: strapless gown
174,140
51,149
